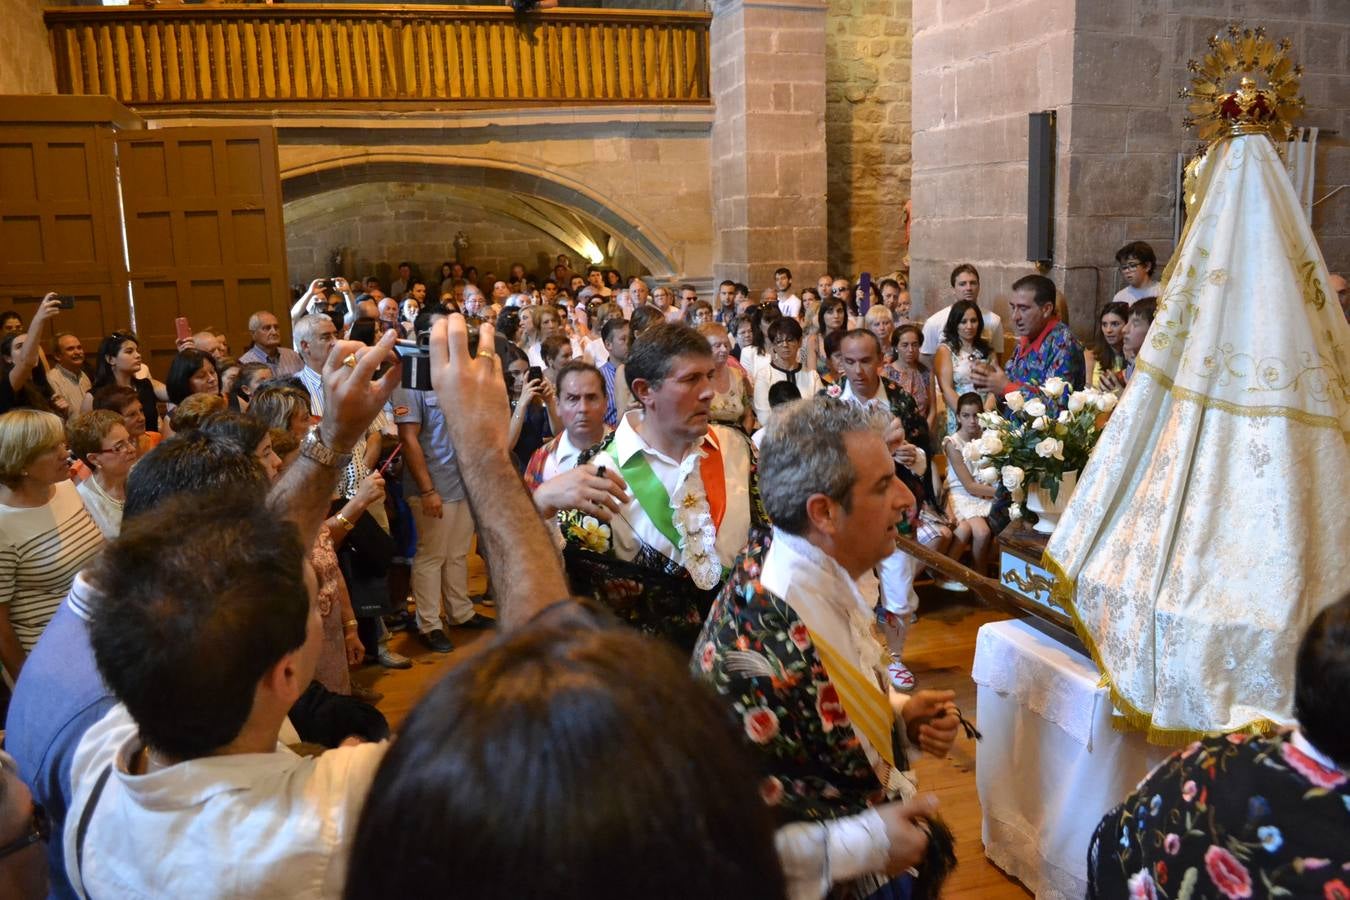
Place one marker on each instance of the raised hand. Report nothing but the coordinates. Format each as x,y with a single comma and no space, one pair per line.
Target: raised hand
471,386
583,489
351,399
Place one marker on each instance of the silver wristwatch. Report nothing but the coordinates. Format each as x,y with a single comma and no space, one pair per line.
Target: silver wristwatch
314,448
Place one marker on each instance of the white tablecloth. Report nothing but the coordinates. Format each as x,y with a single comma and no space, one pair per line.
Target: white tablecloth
1050,765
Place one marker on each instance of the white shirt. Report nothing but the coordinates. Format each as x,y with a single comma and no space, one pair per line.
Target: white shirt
807,380
790,306
249,825
831,605
563,458
1130,295
752,360
105,509
881,400
933,325
632,523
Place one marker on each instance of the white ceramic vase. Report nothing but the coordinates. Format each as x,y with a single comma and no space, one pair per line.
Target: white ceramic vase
1048,511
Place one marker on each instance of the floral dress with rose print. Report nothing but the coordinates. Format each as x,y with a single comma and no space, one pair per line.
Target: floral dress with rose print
1229,817
813,764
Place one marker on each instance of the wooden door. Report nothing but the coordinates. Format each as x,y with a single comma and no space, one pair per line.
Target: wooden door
59,224
204,232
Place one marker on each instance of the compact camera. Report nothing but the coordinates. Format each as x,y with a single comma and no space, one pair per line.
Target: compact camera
416,358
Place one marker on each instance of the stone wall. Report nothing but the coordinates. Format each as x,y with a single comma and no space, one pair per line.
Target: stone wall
768,138
867,122
1111,71
25,57
379,224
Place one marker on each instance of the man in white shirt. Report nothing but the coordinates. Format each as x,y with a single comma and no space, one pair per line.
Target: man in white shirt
789,646
182,789
690,509
1137,263
966,284
860,358
68,377
789,304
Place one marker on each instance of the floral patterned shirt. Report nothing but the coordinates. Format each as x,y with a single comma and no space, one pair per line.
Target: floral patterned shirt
1054,352
1229,817
813,763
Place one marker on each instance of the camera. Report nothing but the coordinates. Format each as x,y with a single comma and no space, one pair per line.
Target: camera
416,357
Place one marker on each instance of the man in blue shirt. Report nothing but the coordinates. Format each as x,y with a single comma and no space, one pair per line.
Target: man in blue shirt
440,569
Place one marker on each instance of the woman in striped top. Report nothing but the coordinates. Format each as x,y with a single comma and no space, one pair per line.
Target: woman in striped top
46,536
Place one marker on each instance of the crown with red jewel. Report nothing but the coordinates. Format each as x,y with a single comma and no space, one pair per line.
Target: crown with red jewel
1246,84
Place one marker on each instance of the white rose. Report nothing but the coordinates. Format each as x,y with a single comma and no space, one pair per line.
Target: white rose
1015,401
1077,400
1053,387
1015,512
971,452
1034,408
990,444
1063,417
1013,477
1040,423
987,475
1050,449
1107,401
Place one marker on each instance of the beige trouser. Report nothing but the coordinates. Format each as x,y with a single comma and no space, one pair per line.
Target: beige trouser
440,570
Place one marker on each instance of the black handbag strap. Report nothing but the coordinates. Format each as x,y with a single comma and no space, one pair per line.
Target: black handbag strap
85,817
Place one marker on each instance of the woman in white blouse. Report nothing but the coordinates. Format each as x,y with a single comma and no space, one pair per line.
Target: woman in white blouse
102,442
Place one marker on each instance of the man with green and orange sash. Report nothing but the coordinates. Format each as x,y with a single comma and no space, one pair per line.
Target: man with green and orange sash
792,648
691,498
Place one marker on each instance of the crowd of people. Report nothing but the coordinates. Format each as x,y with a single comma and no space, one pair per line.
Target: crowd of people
662,487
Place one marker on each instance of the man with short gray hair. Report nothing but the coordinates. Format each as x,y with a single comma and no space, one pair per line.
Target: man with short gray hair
789,644
267,349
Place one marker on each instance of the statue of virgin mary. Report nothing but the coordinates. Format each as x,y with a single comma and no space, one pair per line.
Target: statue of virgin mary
1208,528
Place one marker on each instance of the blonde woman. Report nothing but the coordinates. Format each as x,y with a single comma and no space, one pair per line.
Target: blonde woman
46,535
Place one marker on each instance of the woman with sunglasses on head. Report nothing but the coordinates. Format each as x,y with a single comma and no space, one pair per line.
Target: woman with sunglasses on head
46,536
119,362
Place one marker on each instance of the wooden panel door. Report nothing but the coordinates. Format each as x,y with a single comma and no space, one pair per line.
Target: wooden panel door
59,226
205,239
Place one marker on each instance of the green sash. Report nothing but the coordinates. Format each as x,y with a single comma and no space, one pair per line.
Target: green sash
651,495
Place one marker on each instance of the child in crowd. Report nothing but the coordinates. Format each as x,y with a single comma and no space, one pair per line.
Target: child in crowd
1136,332
779,393
968,500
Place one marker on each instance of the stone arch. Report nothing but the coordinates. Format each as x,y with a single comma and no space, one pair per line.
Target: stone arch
625,225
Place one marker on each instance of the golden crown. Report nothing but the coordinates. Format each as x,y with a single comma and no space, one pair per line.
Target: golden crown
1228,99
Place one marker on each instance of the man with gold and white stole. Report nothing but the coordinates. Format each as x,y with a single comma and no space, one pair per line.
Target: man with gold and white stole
691,490
1207,530
791,645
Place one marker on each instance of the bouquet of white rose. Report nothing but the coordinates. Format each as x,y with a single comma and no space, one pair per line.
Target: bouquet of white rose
1040,440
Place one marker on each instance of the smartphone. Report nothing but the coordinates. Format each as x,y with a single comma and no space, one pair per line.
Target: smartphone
534,373
182,328
865,287
65,302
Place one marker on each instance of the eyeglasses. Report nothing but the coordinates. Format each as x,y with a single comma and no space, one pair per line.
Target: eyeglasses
1130,266
39,829
124,446
786,340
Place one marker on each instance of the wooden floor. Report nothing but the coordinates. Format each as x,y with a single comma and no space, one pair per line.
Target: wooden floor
940,650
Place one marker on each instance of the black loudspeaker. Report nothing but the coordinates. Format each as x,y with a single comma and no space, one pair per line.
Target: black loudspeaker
1040,186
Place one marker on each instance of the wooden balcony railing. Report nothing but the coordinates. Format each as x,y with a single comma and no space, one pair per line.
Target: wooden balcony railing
263,55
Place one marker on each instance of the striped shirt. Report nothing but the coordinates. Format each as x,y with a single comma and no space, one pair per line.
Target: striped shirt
41,550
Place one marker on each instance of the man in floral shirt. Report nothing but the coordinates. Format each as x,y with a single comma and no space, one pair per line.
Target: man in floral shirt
1046,348
790,646
1242,816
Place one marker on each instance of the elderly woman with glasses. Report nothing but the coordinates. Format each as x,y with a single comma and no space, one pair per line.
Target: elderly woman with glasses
46,536
101,441
785,364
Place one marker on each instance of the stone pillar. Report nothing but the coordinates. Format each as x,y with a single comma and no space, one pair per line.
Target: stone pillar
768,139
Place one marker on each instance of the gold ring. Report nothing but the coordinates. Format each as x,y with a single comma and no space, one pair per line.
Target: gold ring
350,361
486,351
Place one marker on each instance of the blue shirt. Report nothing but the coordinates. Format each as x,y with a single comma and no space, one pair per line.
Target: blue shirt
60,694
424,408
610,372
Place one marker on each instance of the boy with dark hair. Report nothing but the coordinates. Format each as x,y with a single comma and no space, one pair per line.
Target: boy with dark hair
1137,262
